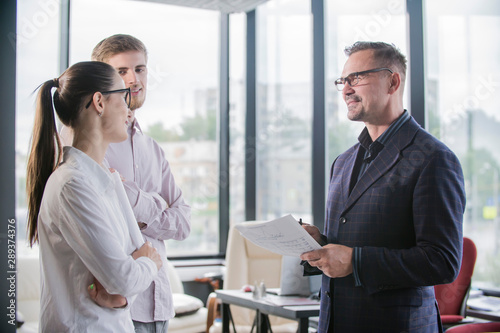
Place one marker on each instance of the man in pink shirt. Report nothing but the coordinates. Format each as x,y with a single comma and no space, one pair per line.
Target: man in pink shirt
156,200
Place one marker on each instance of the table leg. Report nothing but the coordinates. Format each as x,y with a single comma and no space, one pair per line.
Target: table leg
260,322
303,325
225,317
263,323
268,324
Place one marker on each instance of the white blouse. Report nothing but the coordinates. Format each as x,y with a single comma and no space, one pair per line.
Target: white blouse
83,234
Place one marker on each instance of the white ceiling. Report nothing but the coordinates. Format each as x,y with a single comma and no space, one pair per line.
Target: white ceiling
225,6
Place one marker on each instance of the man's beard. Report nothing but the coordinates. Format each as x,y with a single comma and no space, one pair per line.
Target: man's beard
352,113
136,103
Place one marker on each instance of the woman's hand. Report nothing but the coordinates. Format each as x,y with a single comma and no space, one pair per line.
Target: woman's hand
147,250
114,170
104,299
99,294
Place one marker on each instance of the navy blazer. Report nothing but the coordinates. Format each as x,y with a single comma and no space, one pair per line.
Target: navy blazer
406,213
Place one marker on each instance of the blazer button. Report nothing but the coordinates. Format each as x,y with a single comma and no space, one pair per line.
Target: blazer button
343,220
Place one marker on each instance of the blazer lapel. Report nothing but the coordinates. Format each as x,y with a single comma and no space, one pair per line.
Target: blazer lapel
346,176
385,160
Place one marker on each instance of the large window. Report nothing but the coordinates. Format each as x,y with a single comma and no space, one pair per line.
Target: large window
181,107
182,101
37,59
463,75
284,109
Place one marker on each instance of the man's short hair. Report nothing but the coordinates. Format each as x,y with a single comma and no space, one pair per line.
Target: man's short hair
113,45
388,55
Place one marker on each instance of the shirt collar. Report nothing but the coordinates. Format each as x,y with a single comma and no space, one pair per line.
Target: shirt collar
372,148
134,128
99,176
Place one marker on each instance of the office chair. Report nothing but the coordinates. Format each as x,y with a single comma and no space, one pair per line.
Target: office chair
247,264
452,297
475,328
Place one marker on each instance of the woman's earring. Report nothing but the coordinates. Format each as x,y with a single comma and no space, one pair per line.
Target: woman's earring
100,114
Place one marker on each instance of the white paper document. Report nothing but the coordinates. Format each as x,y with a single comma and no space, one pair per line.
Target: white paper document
284,236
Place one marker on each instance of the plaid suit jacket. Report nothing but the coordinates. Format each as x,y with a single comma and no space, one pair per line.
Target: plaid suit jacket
406,214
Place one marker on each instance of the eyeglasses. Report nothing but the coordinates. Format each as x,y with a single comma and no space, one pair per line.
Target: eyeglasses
127,96
354,78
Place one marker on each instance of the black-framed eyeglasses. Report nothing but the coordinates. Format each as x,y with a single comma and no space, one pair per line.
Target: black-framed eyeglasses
354,78
127,96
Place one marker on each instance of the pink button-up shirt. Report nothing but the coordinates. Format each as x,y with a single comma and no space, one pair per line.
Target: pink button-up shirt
157,202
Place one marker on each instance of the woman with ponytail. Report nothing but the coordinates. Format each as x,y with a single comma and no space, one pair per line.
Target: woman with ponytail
74,209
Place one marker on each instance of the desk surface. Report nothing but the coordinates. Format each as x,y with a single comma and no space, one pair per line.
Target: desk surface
266,305
484,307
488,315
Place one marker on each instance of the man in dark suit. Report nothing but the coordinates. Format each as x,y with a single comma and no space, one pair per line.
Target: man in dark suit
394,212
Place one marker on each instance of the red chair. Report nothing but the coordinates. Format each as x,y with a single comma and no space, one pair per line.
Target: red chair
475,328
452,297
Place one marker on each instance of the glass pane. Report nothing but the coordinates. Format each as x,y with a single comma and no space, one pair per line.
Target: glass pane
463,75
181,107
284,109
37,43
237,112
347,23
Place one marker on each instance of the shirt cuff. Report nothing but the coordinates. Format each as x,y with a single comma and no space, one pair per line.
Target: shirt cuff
356,266
160,200
324,240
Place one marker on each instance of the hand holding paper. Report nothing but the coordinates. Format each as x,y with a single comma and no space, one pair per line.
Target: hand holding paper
333,259
284,236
